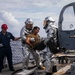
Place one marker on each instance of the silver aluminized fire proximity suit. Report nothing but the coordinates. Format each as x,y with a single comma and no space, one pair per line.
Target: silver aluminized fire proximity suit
27,49
50,42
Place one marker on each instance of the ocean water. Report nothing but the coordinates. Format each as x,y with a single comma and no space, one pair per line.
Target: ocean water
16,51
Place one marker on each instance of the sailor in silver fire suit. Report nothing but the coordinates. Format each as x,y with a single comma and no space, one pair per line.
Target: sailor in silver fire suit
27,29
51,43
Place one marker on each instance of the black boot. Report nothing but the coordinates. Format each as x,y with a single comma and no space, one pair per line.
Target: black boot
0,71
48,73
54,69
31,74
12,69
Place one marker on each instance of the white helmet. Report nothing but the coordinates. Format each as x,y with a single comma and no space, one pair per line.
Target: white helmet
48,21
29,21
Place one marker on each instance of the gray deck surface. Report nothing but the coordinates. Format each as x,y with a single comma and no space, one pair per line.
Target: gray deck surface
18,66
6,71
62,69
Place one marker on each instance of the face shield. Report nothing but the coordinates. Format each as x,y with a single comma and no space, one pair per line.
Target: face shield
45,24
29,24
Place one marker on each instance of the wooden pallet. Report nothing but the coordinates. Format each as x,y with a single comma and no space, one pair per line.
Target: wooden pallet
64,55
63,70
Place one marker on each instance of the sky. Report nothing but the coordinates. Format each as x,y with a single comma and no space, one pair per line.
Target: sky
15,12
